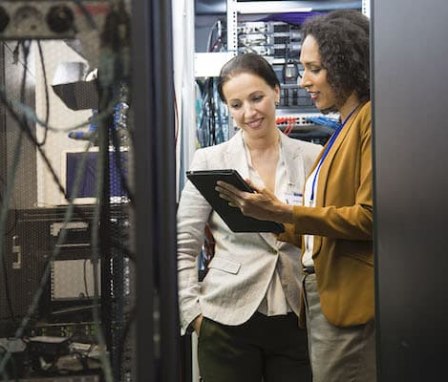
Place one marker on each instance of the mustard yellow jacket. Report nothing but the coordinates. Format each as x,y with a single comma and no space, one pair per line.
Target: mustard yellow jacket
342,225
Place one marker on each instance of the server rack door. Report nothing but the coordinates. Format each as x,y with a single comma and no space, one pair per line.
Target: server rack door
410,132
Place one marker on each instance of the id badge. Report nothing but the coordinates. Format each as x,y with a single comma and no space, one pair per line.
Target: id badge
293,198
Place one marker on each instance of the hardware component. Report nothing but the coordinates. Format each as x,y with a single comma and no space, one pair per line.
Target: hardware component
55,19
60,19
4,19
78,23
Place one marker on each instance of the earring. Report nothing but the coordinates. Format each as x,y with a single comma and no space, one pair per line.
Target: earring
277,103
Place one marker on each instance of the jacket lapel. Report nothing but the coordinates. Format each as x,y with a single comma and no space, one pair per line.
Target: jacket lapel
294,170
294,166
331,156
235,155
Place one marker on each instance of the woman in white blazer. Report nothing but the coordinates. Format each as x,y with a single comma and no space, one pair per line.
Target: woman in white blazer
245,311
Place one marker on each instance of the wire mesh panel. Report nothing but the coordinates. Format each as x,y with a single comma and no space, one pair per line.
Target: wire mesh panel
66,256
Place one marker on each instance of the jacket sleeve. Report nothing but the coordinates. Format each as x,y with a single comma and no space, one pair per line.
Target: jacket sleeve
192,216
350,221
290,236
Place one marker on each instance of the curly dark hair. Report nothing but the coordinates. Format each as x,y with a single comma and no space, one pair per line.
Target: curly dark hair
343,40
247,63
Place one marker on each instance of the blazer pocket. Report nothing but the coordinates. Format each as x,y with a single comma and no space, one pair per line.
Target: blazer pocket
224,265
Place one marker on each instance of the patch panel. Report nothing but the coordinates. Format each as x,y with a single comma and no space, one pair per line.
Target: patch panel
300,126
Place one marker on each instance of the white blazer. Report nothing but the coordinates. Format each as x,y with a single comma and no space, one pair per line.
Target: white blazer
244,263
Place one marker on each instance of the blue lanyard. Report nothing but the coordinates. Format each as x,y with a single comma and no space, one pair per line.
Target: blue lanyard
327,149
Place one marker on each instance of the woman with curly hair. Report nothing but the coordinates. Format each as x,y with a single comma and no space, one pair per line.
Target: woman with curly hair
334,225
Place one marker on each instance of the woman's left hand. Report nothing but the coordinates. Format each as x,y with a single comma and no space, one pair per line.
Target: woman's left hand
262,204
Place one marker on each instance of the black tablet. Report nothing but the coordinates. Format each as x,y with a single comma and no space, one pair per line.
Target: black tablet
205,182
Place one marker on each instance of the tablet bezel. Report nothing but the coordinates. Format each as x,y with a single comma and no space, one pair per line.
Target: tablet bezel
205,181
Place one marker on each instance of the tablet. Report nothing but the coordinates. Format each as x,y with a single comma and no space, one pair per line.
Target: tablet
205,182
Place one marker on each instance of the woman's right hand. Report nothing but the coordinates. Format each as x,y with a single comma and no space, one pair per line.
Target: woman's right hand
261,204
197,324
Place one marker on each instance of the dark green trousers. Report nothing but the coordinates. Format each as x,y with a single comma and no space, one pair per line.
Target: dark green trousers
268,349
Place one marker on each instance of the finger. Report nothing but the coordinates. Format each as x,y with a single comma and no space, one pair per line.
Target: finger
232,202
226,192
226,186
220,189
229,199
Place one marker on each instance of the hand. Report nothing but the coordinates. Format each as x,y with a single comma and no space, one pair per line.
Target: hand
261,204
197,322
